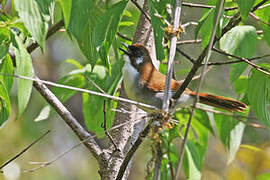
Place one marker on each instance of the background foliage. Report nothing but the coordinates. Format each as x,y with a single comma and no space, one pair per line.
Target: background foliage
87,48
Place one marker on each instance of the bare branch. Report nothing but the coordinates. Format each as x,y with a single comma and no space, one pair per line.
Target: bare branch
235,61
206,6
24,150
265,71
208,54
69,119
123,36
141,9
189,41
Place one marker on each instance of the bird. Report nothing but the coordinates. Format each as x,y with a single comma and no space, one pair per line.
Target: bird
145,84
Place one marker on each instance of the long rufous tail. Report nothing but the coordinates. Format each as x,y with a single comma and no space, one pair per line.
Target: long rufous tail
220,102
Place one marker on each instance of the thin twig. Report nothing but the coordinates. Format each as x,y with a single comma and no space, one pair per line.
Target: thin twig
258,19
123,36
235,61
94,84
177,14
265,71
104,125
186,55
25,149
80,90
208,53
141,9
207,6
238,117
192,41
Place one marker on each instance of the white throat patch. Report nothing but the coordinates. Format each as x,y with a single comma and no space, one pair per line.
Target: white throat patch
139,60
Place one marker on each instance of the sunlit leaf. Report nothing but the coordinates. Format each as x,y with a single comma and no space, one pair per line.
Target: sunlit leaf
240,41
158,27
264,14
259,95
24,67
4,41
245,7
6,67
4,104
106,28
93,105
66,9
34,18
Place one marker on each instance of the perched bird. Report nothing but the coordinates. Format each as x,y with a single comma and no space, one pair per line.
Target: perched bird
143,83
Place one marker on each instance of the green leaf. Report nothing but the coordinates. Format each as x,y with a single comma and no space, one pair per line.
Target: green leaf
240,41
6,67
35,21
4,42
235,140
66,9
240,85
264,176
75,79
264,14
24,67
191,170
93,105
259,94
4,104
202,117
206,23
81,23
230,133
202,21
106,28
157,27
225,124
44,114
245,7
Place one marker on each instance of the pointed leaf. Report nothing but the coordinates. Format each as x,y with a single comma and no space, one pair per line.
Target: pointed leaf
24,68
6,67
4,104
240,41
4,41
157,27
245,7
259,95
34,20
66,9
264,14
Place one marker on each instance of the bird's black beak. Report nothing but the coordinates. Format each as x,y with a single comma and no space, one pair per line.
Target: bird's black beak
125,51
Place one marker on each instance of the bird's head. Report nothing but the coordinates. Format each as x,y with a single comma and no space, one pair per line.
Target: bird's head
137,55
